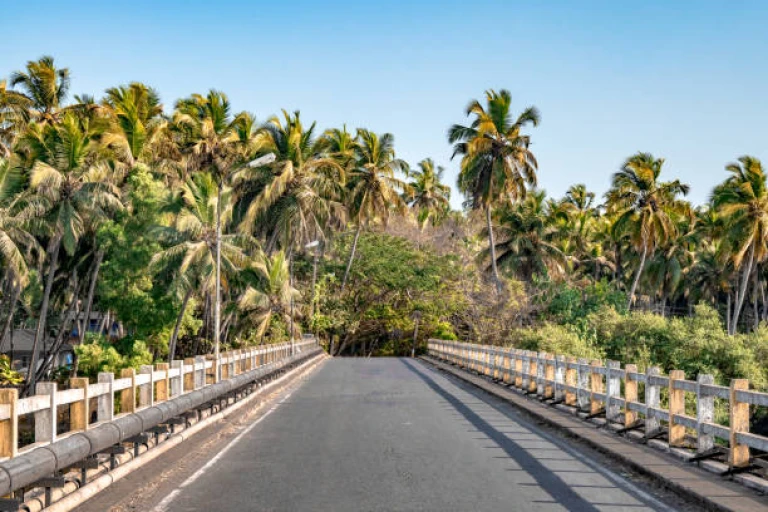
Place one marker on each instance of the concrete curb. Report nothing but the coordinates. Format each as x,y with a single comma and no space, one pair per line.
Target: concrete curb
102,482
687,481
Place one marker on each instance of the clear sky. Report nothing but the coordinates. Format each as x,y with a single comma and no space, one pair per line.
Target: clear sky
685,80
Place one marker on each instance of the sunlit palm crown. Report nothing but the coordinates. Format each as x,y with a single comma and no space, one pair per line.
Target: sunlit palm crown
496,163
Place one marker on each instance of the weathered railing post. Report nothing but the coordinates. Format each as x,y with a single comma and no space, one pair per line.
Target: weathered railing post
595,387
9,429
652,400
676,406
549,376
613,391
583,392
520,367
705,413
200,373
177,384
507,365
526,370
559,378
162,385
533,372
105,408
45,420
541,363
78,410
571,379
128,395
146,391
739,416
630,394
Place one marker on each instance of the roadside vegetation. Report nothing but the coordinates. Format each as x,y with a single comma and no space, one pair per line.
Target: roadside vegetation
114,204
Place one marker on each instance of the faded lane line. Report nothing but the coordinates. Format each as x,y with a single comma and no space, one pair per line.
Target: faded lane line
163,505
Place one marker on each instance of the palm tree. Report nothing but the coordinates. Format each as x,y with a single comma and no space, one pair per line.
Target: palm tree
271,296
45,87
14,114
136,121
428,196
216,143
645,207
497,162
373,187
742,200
194,241
299,193
66,178
528,241
16,240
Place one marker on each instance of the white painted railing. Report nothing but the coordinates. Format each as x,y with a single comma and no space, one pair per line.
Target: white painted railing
136,391
604,387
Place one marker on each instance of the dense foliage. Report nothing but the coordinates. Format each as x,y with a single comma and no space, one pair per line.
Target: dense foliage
197,227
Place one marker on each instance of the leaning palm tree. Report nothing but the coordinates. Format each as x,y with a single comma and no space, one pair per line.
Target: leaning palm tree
193,238
742,201
497,163
213,142
295,197
429,197
271,296
645,207
67,178
374,189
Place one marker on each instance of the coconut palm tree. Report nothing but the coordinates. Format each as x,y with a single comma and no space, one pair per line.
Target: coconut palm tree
429,197
14,114
742,201
271,296
67,178
45,87
216,143
136,118
527,240
16,240
193,239
299,193
373,188
496,161
645,207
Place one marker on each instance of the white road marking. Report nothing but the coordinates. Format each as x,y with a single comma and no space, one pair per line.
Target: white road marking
163,505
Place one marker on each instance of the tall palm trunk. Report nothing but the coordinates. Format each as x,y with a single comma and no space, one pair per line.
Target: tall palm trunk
177,327
637,275
15,294
351,256
217,305
40,334
91,291
492,244
746,272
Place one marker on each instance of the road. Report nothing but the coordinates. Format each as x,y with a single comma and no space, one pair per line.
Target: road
395,434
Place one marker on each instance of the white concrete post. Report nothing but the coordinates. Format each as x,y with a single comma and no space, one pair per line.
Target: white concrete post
705,413
583,395
652,399
177,383
613,391
105,411
146,391
45,420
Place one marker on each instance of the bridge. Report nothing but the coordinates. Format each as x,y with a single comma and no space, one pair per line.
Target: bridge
466,427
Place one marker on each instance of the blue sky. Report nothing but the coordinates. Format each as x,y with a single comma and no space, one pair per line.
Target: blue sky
685,80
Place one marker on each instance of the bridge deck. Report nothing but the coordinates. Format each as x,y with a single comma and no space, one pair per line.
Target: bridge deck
391,434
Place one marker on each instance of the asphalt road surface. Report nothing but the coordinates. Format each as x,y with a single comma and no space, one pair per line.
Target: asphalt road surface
397,435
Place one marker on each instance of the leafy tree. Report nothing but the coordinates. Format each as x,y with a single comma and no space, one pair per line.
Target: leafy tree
373,187
497,163
428,196
270,297
743,201
645,207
